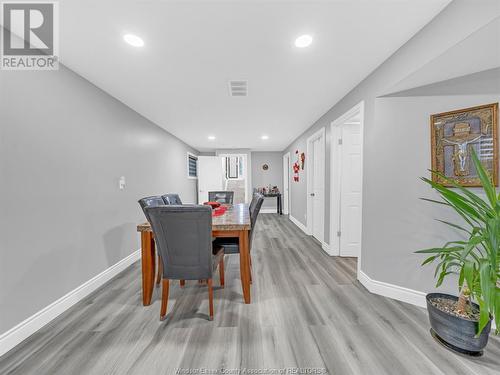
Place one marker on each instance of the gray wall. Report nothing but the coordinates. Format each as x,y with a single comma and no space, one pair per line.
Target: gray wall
395,221
273,176
444,32
64,145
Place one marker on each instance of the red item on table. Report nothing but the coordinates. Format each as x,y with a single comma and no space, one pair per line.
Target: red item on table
219,211
212,204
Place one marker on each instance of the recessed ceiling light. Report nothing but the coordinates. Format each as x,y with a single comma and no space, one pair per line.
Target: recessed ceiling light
303,41
133,40
264,137
211,137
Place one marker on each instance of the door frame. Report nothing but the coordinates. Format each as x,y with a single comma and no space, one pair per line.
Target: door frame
320,134
336,174
246,168
286,183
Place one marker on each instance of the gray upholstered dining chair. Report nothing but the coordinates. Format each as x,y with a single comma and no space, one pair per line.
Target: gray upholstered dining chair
155,200
255,198
224,197
172,199
183,236
231,244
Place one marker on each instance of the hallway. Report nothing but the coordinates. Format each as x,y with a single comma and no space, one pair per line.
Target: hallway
308,311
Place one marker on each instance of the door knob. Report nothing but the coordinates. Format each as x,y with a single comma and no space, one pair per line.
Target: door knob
312,194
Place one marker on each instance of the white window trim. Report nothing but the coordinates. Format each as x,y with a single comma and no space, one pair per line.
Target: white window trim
187,165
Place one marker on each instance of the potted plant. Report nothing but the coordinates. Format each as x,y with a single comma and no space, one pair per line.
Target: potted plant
458,322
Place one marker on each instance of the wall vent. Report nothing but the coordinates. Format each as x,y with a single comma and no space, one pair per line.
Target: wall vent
238,88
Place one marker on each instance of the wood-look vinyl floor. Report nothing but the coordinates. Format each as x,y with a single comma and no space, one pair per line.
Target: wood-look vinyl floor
307,311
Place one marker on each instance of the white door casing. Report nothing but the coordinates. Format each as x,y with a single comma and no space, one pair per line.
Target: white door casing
286,183
315,166
209,176
347,183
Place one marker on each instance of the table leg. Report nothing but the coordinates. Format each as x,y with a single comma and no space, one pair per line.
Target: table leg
148,266
244,265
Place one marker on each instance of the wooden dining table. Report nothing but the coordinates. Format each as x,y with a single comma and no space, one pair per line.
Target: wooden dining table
234,222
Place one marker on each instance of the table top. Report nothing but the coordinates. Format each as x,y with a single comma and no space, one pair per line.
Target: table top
271,194
236,217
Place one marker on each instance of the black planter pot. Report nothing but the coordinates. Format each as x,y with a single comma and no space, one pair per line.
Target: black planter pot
457,334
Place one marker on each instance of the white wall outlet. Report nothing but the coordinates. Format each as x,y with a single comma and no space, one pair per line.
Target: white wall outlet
121,183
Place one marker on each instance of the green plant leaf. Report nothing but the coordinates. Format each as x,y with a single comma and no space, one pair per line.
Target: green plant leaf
484,317
440,250
461,278
473,198
435,201
497,309
458,202
429,260
469,273
454,226
485,282
485,178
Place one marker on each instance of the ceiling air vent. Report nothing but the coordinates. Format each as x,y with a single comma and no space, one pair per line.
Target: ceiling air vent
238,88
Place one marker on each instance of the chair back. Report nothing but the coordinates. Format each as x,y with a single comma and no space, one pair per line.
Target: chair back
172,199
183,236
255,198
254,213
153,201
224,197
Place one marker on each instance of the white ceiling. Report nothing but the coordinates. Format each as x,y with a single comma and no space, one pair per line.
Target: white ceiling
179,79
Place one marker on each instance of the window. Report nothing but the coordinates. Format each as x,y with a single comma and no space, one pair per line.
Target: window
192,165
234,167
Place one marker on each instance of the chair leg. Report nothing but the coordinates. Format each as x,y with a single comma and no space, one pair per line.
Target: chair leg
221,272
210,299
182,282
160,271
250,258
164,298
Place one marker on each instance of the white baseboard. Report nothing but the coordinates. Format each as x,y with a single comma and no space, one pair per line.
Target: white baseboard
268,211
26,328
301,226
326,248
396,292
393,291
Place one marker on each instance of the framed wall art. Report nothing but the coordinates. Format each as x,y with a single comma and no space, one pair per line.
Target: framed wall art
453,137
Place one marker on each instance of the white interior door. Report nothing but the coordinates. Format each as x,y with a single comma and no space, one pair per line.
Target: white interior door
286,183
350,190
210,176
316,185
318,198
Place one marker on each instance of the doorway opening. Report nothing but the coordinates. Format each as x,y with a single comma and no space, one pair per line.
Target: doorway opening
316,185
346,185
234,176
286,183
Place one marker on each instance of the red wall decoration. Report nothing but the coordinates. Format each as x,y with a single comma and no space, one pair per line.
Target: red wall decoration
298,165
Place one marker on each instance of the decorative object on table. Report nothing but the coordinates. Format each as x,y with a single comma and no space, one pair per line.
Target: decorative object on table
214,205
453,137
302,160
268,190
218,211
265,167
457,322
